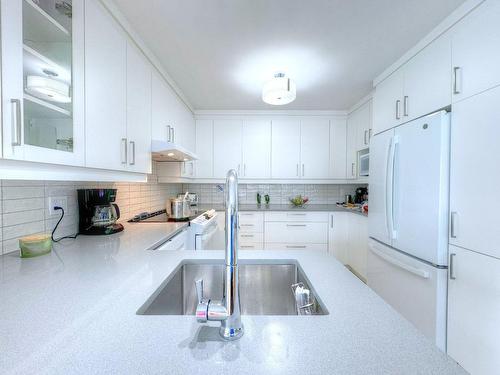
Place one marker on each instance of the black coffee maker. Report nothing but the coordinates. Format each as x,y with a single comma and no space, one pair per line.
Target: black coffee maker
361,195
98,213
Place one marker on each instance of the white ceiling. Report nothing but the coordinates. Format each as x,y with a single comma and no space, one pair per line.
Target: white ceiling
220,52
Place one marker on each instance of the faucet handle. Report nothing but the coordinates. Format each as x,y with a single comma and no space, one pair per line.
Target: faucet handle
199,289
202,307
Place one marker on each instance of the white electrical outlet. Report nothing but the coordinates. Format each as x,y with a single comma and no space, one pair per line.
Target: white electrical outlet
57,202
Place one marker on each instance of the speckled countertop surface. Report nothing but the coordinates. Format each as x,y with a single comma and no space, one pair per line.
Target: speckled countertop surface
74,312
284,207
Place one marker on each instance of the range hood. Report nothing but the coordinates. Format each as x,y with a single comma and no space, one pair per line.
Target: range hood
168,151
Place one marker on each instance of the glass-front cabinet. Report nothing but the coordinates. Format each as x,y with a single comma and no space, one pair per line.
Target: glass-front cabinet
42,80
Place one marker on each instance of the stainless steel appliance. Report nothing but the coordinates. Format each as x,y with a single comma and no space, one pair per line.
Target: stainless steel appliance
179,208
191,197
97,211
364,165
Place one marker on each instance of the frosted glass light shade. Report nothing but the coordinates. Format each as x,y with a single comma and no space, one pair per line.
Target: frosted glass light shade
279,91
48,89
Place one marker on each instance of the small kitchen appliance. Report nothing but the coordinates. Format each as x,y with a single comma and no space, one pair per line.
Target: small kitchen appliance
179,209
361,195
98,212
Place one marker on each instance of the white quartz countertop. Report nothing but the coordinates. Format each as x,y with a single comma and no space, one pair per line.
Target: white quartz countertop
74,312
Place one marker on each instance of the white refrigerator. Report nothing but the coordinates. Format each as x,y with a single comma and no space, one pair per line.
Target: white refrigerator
408,221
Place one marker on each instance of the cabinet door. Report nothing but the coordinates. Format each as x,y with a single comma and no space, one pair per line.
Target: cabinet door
362,120
138,111
476,56
160,120
338,138
428,80
285,149
314,146
357,243
388,102
338,240
105,89
475,157
204,149
227,147
352,150
256,145
473,306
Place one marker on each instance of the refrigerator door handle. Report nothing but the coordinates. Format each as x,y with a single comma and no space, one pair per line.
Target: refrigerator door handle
389,201
388,192
395,184
395,262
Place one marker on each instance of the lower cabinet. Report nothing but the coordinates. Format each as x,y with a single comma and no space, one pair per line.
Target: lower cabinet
251,236
296,230
348,240
473,310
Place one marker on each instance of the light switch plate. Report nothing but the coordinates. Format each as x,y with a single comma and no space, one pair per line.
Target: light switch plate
57,202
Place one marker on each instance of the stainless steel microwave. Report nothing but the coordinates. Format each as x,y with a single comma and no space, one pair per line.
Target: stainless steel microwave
364,164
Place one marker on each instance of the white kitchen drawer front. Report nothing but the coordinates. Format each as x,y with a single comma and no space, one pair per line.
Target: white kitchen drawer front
296,232
251,221
318,217
252,245
251,237
296,246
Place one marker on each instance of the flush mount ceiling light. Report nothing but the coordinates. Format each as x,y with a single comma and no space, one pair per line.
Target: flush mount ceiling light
48,89
279,91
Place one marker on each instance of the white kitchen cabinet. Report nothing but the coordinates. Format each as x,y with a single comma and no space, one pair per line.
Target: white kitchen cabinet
296,232
351,149
138,111
256,149
358,243
338,236
204,149
387,102
475,157
427,80
473,311
227,147
105,90
172,121
338,139
476,56
36,40
314,148
285,149
251,235
362,121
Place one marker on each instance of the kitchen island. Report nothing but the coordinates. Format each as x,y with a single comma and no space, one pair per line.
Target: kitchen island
74,312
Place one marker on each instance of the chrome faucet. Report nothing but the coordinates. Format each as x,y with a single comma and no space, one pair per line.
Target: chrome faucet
227,310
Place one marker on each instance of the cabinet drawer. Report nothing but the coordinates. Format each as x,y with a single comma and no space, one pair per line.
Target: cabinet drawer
296,232
251,221
296,246
296,216
252,246
251,237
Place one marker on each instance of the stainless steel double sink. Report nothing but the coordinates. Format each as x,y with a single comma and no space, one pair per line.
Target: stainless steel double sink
265,289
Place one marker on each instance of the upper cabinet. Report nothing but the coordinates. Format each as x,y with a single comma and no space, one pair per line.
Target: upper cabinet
476,56
285,154
338,134
256,149
42,82
315,148
227,147
105,90
362,120
204,149
421,86
172,120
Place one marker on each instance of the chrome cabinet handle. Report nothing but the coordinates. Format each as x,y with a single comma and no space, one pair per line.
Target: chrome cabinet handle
331,221
295,246
457,82
398,106
244,169
247,235
352,169
296,225
16,122
246,225
125,151
169,133
297,170
296,214
247,246
452,266
369,135
173,134
303,169
453,224
364,138
405,106
132,145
